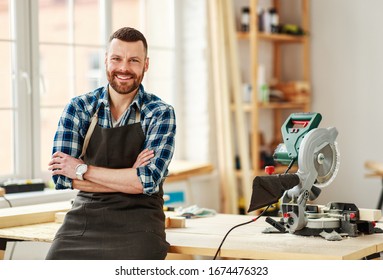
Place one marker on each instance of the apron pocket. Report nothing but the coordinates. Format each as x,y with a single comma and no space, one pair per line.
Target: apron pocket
74,223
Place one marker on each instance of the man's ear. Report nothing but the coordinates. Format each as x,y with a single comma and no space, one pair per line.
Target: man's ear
146,67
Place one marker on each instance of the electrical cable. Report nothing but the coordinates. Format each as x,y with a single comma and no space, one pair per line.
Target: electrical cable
2,194
236,226
290,165
12,250
7,200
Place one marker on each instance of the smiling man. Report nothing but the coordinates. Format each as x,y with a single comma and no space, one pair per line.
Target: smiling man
114,145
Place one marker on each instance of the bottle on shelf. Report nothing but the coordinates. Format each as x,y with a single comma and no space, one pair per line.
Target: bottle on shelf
267,21
263,87
274,20
245,19
260,17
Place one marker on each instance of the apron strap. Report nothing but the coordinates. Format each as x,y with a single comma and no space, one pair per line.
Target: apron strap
93,123
138,116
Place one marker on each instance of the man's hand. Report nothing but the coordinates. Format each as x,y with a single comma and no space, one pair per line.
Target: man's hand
63,164
143,158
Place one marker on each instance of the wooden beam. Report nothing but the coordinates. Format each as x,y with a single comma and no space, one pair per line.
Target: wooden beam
171,221
376,167
31,214
224,135
241,132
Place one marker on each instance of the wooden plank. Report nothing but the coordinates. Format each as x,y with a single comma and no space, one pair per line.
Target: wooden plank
59,217
370,214
240,120
254,64
31,214
182,170
376,167
171,220
175,222
364,213
224,139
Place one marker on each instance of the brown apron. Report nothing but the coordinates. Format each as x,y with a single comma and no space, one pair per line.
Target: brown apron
112,225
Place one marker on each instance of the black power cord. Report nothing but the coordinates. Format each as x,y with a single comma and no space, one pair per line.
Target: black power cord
2,194
252,220
234,227
7,200
290,165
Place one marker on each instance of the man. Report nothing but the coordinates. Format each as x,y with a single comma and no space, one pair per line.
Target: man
114,145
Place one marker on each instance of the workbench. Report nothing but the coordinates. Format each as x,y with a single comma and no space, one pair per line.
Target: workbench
202,237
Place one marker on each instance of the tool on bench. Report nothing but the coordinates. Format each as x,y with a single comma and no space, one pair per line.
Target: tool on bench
316,153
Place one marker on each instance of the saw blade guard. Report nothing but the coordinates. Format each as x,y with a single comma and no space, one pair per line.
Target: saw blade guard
318,158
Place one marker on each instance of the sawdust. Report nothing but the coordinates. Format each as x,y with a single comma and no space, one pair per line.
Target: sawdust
331,236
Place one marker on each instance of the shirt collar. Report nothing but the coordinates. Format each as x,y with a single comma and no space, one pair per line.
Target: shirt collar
104,97
139,98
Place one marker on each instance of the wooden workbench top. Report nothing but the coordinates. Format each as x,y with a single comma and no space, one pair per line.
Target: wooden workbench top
202,237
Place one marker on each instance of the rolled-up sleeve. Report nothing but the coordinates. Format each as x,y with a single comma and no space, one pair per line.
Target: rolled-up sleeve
160,138
67,140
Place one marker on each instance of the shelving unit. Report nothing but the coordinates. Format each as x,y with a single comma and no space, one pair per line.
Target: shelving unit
278,110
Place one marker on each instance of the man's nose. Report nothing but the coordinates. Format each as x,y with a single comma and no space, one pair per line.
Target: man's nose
125,65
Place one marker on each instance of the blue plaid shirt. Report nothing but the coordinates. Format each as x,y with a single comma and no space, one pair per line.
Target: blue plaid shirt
158,124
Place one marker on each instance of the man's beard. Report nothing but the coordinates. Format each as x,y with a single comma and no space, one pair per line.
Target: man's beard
124,87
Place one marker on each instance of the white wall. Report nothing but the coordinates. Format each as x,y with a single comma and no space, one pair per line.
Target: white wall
347,77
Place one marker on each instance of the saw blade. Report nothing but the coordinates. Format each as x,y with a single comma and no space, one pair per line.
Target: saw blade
326,163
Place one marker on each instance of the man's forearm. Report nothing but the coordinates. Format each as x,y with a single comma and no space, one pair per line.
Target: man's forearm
87,186
119,180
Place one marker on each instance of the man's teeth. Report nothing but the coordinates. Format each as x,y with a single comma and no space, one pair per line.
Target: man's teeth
123,77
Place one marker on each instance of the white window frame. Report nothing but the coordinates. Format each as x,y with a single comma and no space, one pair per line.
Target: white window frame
26,84
22,87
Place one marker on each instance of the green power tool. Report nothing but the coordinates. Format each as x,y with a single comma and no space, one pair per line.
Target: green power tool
316,154
294,129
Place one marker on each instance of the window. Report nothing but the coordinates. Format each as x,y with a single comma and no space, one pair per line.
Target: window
7,109
52,50
71,50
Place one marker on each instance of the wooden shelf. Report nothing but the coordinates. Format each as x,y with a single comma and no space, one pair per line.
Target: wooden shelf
248,107
277,71
273,37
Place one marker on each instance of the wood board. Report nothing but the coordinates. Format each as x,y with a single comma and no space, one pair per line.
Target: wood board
31,214
224,131
171,221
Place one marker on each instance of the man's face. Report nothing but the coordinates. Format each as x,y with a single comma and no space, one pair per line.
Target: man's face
125,63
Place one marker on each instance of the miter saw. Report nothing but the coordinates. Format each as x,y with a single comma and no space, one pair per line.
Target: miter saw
316,153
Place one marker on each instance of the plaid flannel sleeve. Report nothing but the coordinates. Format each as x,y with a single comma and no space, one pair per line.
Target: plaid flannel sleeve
67,140
160,138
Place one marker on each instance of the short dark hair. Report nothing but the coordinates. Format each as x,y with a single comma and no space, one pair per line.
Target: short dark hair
129,34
